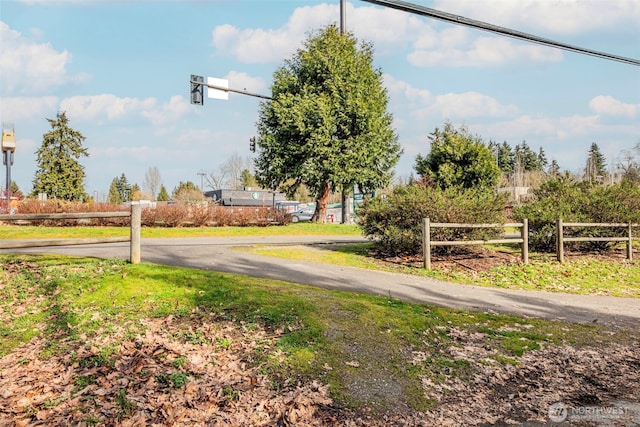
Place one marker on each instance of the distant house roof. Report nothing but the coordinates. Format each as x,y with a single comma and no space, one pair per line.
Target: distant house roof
245,197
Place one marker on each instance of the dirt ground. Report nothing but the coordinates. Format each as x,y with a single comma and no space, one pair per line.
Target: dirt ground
172,376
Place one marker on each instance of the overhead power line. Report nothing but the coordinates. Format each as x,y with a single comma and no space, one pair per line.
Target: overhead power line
461,20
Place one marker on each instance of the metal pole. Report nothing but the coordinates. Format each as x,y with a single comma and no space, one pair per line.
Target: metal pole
7,160
226,89
345,217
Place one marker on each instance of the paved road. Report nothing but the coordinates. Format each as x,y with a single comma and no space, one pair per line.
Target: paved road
216,254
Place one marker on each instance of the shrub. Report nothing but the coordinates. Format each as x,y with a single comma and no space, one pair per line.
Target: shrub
578,202
197,214
395,222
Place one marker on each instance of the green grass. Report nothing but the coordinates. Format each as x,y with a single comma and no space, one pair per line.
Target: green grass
304,228
580,275
351,341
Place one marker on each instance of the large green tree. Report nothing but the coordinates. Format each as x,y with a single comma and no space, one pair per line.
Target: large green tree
327,125
458,159
60,174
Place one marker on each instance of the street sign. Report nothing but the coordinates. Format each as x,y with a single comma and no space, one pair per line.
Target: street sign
216,88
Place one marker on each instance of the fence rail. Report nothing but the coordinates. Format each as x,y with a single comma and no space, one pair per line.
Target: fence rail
134,236
427,243
560,239
523,240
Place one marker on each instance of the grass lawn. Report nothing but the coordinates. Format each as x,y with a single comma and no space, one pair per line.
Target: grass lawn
305,228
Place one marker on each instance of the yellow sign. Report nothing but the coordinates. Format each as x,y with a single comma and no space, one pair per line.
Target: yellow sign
8,141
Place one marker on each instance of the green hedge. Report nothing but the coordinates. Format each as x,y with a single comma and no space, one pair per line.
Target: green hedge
579,202
394,222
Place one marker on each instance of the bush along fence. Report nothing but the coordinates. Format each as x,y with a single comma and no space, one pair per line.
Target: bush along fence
135,215
523,240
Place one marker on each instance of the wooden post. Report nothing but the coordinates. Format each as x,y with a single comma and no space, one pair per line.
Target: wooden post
426,243
559,241
136,219
524,233
630,245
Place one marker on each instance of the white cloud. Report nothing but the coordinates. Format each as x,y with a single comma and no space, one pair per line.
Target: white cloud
263,46
541,127
401,88
423,103
389,30
384,27
28,67
609,106
470,104
243,81
459,49
559,16
106,105
169,112
23,108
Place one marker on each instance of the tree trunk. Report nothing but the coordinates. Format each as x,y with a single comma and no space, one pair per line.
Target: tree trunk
321,203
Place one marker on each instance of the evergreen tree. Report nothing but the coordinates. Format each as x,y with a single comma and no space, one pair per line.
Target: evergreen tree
163,195
120,190
327,126
458,159
506,157
529,160
15,190
596,167
542,160
59,173
554,169
114,194
135,193
248,179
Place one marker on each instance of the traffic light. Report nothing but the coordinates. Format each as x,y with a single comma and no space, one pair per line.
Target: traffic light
197,89
252,144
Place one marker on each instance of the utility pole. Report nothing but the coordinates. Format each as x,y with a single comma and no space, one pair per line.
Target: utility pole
346,200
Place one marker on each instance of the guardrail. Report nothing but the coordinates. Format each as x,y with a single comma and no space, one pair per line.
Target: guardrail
427,243
134,236
560,239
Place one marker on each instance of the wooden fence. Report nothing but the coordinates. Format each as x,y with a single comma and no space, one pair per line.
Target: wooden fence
134,236
560,239
427,243
523,240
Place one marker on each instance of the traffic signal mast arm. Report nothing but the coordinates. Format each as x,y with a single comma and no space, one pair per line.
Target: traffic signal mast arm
226,89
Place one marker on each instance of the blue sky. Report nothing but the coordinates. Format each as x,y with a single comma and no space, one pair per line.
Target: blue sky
120,69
